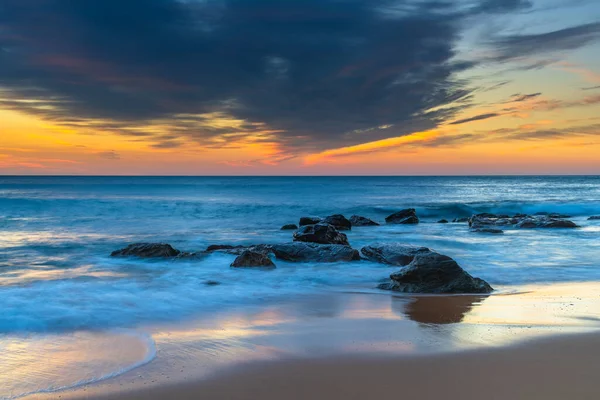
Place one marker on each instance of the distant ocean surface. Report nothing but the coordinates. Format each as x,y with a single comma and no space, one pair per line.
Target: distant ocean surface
56,235
63,297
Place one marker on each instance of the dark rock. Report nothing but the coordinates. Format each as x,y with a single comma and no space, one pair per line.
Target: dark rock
442,221
431,272
594,218
392,253
484,221
147,250
488,230
217,247
320,233
313,252
357,220
408,216
309,221
461,220
212,283
339,222
289,227
250,258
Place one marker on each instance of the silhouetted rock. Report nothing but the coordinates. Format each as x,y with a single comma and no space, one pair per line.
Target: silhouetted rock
250,258
442,221
594,218
289,227
147,250
309,221
431,272
408,216
339,222
320,233
313,252
357,220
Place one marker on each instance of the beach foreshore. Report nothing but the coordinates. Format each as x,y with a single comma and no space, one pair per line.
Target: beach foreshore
559,368
540,342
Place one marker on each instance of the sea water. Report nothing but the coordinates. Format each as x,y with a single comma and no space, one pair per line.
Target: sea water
58,283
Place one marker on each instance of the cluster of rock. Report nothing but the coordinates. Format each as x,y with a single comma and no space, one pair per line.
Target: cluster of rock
318,239
489,223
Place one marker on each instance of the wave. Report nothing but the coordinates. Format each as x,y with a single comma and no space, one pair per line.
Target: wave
100,372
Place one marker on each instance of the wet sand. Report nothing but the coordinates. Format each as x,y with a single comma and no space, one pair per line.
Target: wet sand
561,368
540,342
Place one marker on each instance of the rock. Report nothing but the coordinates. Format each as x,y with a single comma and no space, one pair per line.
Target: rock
442,221
339,222
309,221
461,220
313,252
357,220
212,283
392,253
484,221
594,218
488,230
431,272
408,216
147,250
320,233
289,227
251,258
217,247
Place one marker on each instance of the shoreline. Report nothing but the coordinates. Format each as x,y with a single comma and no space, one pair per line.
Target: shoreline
352,332
551,368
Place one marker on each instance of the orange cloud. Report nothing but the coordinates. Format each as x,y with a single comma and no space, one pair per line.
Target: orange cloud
370,147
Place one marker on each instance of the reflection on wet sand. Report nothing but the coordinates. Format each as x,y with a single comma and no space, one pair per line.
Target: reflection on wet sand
437,309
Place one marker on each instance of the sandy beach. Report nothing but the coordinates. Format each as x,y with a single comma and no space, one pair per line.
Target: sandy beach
560,368
541,342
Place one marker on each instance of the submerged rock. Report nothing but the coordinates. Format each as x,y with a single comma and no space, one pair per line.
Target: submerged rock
212,283
250,258
392,253
338,221
484,221
357,220
442,221
594,218
226,248
313,252
147,250
408,216
289,227
309,221
320,233
488,230
461,220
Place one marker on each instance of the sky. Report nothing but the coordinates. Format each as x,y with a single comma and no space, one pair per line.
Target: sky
299,87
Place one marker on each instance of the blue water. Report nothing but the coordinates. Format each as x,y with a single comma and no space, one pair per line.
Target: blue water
56,234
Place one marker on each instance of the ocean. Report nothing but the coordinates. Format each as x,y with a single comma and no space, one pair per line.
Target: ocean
57,279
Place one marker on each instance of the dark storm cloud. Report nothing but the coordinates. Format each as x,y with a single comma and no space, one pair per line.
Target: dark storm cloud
311,70
475,118
516,46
